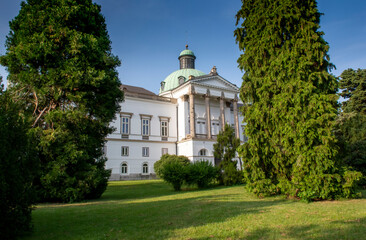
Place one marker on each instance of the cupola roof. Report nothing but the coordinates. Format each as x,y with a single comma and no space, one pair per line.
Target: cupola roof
186,52
177,78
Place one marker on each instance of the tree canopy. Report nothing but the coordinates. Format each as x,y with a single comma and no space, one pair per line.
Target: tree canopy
18,165
351,122
225,150
353,86
290,101
63,72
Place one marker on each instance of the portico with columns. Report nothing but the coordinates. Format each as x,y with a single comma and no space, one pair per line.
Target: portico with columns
205,103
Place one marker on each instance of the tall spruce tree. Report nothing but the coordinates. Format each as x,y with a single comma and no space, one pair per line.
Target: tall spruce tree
291,101
225,150
63,72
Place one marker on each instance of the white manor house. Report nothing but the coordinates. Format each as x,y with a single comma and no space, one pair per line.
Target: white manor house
183,119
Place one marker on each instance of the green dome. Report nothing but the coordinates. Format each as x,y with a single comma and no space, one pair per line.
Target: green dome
172,81
186,52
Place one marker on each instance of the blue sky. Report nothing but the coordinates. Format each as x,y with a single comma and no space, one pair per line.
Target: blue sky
148,35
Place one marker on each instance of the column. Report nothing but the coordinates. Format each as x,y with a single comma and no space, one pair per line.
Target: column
208,115
222,110
236,117
192,113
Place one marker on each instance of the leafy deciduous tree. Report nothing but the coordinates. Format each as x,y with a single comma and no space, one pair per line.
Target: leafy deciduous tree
291,101
18,165
62,71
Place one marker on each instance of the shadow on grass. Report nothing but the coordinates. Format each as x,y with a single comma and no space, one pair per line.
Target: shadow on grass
350,229
137,190
146,219
144,189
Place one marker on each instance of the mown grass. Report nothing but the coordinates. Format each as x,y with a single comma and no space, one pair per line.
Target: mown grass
152,210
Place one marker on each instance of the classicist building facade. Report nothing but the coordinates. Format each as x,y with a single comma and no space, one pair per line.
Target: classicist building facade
183,119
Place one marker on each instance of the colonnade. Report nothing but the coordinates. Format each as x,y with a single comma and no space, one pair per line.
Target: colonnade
207,97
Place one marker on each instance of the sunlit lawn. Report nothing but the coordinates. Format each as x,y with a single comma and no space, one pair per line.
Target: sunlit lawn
152,210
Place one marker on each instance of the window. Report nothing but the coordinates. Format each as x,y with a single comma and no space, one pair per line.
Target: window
145,151
145,127
201,127
164,151
202,152
181,80
215,127
125,123
124,151
124,168
125,129
145,168
145,124
164,128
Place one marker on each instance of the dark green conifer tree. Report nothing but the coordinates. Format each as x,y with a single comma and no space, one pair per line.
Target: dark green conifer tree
225,150
353,85
63,72
351,122
290,100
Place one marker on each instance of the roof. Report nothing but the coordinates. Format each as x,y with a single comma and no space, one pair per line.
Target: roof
172,80
186,52
133,89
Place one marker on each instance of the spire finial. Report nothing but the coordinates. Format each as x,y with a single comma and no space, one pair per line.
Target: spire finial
186,46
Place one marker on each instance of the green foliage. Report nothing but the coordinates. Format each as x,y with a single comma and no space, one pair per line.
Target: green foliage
225,150
166,158
226,144
230,174
73,167
290,101
62,71
202,173
351,122
353,85
174,172
350,182
351,133
18,164
178,170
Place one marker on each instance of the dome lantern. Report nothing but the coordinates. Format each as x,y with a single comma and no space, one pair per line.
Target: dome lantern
186,59
186,72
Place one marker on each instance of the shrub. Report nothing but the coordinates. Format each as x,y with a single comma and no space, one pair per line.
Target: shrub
158,166
174,172
201,173
230,175
351,178
172,169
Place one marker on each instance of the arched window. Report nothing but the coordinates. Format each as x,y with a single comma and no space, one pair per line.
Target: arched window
181,80
124,168
202,152
145,168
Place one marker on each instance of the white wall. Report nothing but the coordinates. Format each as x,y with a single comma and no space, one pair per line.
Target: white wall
135,158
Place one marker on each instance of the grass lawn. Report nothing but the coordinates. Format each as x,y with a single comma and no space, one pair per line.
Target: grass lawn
152,210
